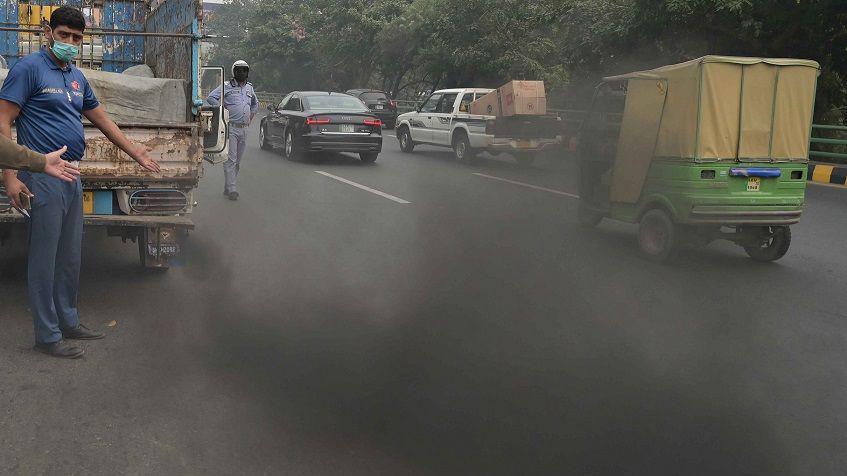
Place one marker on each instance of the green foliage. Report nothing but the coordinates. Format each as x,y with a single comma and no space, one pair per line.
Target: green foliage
407,46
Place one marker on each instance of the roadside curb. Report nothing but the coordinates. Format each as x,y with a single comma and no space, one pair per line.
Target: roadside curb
828,174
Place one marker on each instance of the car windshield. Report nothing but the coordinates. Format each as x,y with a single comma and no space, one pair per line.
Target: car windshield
334,102
373,96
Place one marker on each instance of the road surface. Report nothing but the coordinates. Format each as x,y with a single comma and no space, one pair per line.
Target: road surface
423,316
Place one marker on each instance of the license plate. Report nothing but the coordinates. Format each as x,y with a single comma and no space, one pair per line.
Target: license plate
348,128
380,106
753,184
168,249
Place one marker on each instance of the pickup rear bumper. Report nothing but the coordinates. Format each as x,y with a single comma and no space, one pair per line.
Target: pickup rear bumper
522,145
140,221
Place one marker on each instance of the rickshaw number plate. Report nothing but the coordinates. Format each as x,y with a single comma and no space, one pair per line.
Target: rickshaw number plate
753,184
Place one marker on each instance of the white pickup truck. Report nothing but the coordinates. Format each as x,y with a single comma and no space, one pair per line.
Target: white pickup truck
443,120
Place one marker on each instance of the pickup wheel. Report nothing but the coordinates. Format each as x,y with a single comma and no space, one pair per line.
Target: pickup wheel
462,148
263,138
405,138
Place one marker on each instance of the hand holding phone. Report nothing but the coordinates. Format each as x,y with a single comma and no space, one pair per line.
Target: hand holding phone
26,204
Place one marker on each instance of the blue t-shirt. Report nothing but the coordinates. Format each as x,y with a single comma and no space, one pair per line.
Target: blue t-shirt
51,101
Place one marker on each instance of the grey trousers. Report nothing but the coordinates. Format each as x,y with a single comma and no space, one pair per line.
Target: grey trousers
237,144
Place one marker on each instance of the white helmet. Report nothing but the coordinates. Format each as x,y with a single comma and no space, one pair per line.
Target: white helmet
239,63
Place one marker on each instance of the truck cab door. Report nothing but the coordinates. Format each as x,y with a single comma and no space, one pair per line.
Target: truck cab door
420,125
214,120
442,119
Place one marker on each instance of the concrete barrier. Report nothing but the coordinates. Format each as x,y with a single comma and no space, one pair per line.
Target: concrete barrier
828,173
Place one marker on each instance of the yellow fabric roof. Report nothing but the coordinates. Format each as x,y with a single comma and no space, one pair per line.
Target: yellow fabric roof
714,108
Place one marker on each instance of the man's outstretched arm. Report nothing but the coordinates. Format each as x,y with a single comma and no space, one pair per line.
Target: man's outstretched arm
101,119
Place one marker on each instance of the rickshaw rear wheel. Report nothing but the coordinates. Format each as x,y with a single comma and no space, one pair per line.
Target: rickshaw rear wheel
657,236
772,245
587,217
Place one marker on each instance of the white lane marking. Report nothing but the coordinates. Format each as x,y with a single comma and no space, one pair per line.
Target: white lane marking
362,187
528,185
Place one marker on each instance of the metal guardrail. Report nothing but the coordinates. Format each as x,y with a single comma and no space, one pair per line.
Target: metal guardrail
266,98
838,146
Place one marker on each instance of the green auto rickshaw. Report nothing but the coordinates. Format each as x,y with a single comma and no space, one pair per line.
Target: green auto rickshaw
714,148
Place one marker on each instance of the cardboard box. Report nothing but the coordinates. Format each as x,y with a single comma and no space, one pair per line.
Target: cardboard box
488,105
523,98
515,98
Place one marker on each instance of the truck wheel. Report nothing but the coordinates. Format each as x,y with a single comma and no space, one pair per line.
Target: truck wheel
587,217
657,236
368,157
263,139
462,148
773,244
405,138
291,152
524,158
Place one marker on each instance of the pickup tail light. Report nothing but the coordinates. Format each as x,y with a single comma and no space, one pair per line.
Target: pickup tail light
317,120
373,122
158,201
489,127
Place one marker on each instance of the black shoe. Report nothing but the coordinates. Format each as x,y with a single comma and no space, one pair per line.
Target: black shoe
82,333
226,194
60,349
233,196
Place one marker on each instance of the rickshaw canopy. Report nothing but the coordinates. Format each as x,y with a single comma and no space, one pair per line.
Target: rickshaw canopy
714,108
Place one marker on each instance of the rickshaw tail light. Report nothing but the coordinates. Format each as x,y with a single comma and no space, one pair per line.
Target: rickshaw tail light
707,174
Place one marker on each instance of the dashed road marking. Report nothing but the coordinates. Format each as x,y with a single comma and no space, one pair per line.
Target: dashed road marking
528,185
363,187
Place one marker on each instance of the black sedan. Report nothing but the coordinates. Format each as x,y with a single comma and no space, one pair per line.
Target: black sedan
379,103
315,121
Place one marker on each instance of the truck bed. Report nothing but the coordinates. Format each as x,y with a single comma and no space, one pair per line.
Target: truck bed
176,147
527,127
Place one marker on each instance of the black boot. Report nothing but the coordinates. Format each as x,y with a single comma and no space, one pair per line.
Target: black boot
82,333
60,349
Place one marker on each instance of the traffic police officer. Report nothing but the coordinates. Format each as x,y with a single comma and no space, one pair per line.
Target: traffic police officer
239,99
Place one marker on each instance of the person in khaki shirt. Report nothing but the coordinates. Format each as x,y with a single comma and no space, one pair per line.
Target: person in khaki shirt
18,157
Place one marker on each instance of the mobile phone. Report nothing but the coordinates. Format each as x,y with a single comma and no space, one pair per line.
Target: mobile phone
26,204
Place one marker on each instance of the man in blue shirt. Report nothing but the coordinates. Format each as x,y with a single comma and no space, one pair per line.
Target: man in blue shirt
46,97
240,100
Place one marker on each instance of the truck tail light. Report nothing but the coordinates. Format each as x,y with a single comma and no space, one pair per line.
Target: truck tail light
489,127
158,201
373,122
317,120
